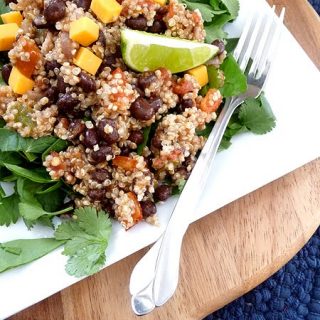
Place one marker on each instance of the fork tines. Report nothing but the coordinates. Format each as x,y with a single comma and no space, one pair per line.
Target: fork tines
258,42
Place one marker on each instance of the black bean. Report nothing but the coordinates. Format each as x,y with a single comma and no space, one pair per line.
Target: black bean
185,104
156,103
5,72
156,142
76,127
148,208
85,4
90,138
107,205
100,175
108,61
138,23
97,194
158,26
220,44
161,12
140,92
148,161
61,85
66,103
101,154
111,137
141,109
52,94
54,11
136,136
87,83
125,151
146,79
40,23
51,65
162,192
183,172
102,39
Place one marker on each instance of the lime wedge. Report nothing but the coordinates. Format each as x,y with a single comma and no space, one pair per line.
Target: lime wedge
144,51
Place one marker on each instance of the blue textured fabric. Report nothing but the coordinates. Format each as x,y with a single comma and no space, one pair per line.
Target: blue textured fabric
316,5
293,293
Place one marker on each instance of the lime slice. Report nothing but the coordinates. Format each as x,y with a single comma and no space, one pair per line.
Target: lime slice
144,51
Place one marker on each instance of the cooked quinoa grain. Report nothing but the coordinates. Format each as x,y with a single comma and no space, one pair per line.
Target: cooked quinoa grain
132,136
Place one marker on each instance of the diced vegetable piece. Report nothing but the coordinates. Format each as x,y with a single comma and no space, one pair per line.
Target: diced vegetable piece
18,82
12,17
84,31
107,11
211,102
137,213
201,75
8,33
125,163
29,47
87,60
161,2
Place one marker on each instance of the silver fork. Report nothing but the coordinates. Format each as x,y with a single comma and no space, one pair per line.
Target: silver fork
155,277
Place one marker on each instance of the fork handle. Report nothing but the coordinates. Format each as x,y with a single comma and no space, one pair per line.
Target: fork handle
163,258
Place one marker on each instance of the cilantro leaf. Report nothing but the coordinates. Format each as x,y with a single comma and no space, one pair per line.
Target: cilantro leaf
87,240
235,81
9,211
214,29
256,115
232,6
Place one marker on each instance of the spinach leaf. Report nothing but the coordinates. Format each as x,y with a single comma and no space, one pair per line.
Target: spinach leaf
10,157
50,188
12,141
19,252
32,212
51,201
57,146
36,175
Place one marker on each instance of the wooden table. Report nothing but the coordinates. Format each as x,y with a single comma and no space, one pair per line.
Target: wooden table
223,256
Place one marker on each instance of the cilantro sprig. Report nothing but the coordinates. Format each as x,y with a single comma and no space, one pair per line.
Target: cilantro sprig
87,238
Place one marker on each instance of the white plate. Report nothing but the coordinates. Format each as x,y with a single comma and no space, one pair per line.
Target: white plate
250,163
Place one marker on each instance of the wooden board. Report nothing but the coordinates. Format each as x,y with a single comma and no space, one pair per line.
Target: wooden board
225,254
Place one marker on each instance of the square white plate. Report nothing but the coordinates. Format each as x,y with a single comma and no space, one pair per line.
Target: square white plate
251,162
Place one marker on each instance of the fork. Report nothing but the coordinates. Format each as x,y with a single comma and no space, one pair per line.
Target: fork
155,277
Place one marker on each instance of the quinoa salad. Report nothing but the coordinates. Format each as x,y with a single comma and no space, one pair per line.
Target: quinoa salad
103,113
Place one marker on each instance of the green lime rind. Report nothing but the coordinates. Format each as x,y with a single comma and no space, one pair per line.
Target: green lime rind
144,51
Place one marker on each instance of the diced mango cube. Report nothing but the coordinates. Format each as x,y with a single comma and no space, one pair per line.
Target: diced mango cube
107,11
8,33
18,82
87,60
201,74
84,31
12,17
161,2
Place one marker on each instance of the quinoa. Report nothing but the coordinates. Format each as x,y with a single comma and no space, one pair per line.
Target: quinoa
129,133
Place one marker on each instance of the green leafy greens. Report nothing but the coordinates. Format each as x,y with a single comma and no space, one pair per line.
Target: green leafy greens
86,241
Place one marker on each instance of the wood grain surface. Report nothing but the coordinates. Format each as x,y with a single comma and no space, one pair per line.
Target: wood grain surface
225,254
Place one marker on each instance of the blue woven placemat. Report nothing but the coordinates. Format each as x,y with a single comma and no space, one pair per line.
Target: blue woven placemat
293,293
